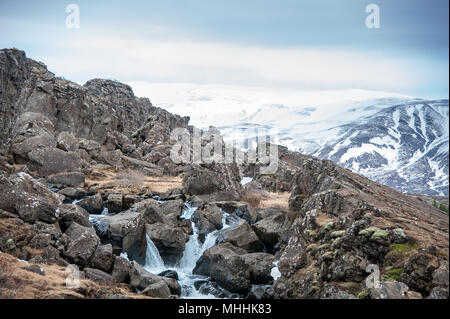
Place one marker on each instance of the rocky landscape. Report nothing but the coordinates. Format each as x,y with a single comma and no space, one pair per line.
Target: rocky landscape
86,180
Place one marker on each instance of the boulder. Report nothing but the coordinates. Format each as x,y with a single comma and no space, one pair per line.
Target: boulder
207,218
97,275
21,149
169,274
240,209
67,142
69,214
69,179
93,204
126,230
170,241
241,235
270,229
23,195
73,192
389,290
82,243
233,269
115,203
102,258
49,160
121,270
159,289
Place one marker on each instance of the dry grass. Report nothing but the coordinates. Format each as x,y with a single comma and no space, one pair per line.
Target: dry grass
131,182
264,199
16,282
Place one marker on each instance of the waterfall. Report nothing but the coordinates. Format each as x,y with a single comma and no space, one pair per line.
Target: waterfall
153,261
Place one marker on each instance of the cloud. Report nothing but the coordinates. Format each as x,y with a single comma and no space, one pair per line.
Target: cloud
85,56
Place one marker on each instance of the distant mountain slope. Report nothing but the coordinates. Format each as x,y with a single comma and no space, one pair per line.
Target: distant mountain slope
399,142
404,146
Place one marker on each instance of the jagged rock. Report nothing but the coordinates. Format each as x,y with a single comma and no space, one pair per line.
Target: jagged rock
220,180
267,212
389,290
97,275
126,230
121,270
129,200
170,241
36,269
270,229
31,200
73,192
67,142
151,285
115,203
207,218
49,160
240,209
151,211
72,214
438,293
241,235
418,272
234,269
172,210
260,292
83,242
159,289
21,149
169,274
102,258
93,204
71,179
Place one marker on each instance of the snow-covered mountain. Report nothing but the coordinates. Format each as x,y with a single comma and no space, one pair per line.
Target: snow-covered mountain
393,139
405,146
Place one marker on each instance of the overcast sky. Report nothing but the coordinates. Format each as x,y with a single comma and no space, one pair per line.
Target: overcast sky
302,45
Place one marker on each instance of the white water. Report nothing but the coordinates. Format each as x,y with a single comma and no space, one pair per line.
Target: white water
193,251
153,261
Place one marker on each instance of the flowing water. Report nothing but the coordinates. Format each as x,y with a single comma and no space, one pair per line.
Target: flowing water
193,251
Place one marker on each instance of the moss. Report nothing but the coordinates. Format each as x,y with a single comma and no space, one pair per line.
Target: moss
337,234
312,248
336,243
329,255
324,246
311,232
393,274
368,231
10,241
329,225
380,235
364,294
402,250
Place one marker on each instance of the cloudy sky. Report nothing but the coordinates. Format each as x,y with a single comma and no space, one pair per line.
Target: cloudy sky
301,45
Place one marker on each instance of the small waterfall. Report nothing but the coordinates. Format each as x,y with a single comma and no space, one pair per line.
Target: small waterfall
153,261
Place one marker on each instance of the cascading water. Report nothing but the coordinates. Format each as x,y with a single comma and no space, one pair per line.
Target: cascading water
153,260
193,251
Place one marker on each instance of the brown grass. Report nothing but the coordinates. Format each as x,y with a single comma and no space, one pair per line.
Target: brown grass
16,282
264,199
131,182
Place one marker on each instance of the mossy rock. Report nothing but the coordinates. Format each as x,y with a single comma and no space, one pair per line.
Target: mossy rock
380,235
312,249
323,247
311,232
368,231
338,233
329,226
365,294
402,250
393,274
336,243
328,256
